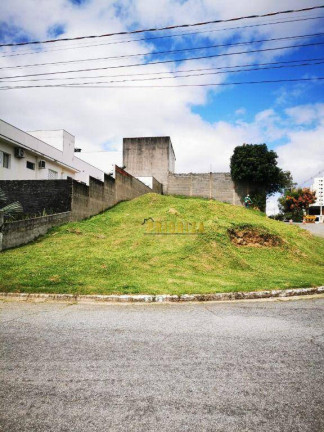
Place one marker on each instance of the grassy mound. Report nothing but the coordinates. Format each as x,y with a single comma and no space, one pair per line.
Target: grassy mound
195,249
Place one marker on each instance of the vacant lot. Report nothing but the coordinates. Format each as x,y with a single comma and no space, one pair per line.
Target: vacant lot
232,249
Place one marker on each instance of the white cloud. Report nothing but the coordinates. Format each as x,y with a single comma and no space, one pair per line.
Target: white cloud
306,114
240,112
272,205
100,116
289,95
303,155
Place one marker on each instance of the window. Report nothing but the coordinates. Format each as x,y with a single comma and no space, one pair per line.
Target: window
4,160
30,165
52,174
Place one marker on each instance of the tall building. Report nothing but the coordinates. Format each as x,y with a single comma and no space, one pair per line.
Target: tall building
317,208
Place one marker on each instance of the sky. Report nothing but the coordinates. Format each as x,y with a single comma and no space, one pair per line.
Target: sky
205,123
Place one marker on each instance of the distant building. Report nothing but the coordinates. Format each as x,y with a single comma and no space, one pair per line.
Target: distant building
317,209
41,155
147,157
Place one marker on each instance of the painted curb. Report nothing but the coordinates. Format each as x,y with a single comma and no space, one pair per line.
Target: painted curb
165,298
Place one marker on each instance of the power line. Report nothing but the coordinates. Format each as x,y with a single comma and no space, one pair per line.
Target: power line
163,61
165,28
178,71
192,75
166,86
160,37
205,74
311,178
165,52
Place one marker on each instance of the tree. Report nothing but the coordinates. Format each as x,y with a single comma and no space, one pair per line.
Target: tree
295,202
254,166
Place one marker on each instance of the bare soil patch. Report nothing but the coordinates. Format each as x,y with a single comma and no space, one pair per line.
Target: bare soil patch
253,237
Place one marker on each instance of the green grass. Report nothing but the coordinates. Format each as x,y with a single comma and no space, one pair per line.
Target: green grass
110,253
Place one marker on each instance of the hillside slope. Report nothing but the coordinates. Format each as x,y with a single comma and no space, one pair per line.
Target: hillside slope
112,252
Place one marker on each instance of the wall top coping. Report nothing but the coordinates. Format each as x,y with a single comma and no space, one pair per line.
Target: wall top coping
197,174
36,218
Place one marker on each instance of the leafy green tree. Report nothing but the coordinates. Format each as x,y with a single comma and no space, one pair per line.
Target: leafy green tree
295,202
254,166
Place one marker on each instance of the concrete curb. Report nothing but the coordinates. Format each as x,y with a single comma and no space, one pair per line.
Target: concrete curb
165,297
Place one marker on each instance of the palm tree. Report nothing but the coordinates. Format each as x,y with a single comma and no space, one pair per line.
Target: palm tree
9,209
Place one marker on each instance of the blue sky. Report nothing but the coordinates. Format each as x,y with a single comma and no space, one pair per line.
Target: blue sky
205,124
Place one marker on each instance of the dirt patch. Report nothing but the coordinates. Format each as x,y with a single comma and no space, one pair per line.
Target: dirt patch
173,211
74,231
254,237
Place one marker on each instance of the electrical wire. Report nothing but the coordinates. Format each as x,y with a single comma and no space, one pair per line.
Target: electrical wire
165,52
164,28
160,37
311,178
166,86
178,71
195,75
164,61
204,74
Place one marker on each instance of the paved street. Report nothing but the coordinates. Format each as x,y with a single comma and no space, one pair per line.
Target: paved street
316,229
244,366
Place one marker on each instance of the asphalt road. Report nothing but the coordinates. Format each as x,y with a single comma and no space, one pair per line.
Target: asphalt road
315,229
245,366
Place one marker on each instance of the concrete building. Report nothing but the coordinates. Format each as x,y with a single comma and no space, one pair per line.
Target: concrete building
317,209
154,156
41,155
149,157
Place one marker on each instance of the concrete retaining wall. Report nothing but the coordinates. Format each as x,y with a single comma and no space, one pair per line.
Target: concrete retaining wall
24,231
99,196
79,200
218,186
157,187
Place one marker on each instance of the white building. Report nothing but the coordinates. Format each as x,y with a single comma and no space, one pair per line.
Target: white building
41,155
318,207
